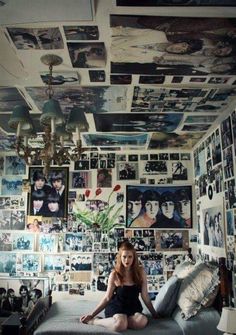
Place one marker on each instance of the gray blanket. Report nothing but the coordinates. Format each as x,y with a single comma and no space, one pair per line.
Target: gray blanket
63,318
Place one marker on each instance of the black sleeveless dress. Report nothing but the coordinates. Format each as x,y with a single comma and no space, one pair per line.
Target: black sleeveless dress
125,300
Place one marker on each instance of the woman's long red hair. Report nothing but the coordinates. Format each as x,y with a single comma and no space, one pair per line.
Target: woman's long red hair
136,269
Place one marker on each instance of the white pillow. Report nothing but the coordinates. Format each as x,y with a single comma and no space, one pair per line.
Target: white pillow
184,269
196,289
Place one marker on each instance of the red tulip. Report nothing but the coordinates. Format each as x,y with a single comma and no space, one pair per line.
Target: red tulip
87,193
98,191
116,188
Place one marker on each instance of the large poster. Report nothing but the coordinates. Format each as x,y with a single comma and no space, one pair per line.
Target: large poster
159,206
172,45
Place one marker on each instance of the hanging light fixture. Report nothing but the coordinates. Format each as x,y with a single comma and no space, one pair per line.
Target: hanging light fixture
55,128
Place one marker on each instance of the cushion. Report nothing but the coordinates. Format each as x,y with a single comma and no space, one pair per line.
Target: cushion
182,270
196,289
166,300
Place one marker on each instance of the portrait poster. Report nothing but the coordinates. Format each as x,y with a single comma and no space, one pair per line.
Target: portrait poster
159,206
142,45
48,196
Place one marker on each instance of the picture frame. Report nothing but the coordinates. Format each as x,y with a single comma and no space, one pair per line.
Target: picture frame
159,206
52,192
15,283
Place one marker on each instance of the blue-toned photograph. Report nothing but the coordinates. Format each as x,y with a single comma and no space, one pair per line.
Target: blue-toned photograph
115,139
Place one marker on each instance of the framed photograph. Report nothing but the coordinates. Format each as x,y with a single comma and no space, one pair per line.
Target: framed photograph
47,242
23,241
54,262
8,263
48,196
18,284
159,206
30,262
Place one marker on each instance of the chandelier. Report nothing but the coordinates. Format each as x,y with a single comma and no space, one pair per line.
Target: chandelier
56,129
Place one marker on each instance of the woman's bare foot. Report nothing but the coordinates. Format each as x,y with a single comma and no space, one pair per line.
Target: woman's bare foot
93,320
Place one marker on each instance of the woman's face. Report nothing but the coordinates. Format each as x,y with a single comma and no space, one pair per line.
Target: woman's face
152,208
127,258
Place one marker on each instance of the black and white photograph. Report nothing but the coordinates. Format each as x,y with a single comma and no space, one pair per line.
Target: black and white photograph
172,240
5,241
81,262
179,171
212,223
87,55
120,79
36,38
80,179
97,76
153,167
80,33
60,78
127,171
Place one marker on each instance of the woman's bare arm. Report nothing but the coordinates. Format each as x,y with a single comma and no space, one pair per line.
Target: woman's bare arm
110,289
145,296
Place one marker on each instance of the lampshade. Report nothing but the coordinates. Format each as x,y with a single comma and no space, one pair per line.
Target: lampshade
228,320
21,115
77,120
61,132
52,110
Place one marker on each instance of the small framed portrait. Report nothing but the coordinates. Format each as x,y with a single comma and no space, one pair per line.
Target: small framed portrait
48,196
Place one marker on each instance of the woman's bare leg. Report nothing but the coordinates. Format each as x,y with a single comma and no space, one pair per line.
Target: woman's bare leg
117,323
137,321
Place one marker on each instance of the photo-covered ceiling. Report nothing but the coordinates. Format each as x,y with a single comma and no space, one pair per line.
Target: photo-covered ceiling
148,74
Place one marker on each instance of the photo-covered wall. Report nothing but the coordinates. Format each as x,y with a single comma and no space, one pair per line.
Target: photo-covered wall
214,172
68,226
